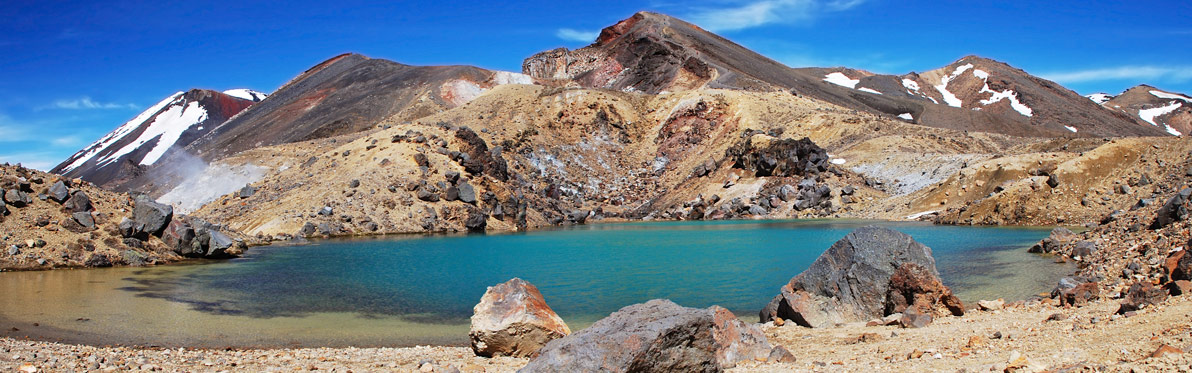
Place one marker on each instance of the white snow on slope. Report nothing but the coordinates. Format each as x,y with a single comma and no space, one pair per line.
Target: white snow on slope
1171,96
170,125
1150,114
1070,128
1003,95
911,85
505,77
906,116
1100,98
119,133
1172,131
246,94
841,80
950,98
870,90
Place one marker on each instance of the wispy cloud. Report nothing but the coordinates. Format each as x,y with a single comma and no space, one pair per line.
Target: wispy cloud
37,160
1177,74
577,35
86,103
744,15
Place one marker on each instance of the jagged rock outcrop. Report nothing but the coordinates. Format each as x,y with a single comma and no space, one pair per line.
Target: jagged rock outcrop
851,281
766,156
656,336
513,319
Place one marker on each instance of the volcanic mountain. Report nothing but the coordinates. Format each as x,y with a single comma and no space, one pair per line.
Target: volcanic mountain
156,133
654,53
1169,111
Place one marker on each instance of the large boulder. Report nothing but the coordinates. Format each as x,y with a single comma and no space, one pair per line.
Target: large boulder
79,201
512,319
1141,295
656,336
150,216
179,235
1053,242
850,281
1174,210
59,192
17,198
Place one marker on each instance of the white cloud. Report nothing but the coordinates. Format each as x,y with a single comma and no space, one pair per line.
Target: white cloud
66,141
1152,73
759,13
87,103
577,35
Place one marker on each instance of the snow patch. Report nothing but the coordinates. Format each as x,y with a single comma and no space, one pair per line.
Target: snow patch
119,133
1171,96
950,98
906,116
1150,114
1003,95
918,215
1070,128
1100,98
246,94
841,80
1172,131
870,90
911,85
838,161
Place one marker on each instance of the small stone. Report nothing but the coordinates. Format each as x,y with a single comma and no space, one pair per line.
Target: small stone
1057,317
990,305
781,355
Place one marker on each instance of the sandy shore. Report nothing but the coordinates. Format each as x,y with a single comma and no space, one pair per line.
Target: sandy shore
1018,336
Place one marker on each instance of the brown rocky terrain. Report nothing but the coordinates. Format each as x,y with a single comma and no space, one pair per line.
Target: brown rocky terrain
1152,106
49,221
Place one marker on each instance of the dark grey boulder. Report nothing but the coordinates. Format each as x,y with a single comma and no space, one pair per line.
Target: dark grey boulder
152,217
79,202
467,193
850,281
98,261
656,336
1053,181
179,236
451,194
354,183
425,194
451,176
476,221
59,192
307,229
246,191
127,227
218,244
1176,209
17,198
134,258
326,211
84,218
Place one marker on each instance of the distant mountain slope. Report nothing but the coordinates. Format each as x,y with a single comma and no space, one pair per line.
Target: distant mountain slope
156,133
1169,111
654,53
346,94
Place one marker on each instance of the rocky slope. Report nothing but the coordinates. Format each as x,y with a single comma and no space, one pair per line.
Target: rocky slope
159,132
49,221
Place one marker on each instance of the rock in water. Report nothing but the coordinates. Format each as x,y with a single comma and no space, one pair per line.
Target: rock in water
656,336
152,215
512,319
849,282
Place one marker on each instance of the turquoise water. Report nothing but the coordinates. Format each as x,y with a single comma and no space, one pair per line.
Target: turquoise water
422,288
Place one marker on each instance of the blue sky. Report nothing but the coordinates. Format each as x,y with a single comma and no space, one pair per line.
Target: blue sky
72,71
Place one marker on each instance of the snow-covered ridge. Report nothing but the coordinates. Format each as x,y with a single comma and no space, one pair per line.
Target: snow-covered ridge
1170,96
1100,98
119,133
246,94
870,90
1003,95
911,85
841,80
169,125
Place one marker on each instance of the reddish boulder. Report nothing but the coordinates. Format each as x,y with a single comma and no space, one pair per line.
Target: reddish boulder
1079,295
1178,287
913,286
512,319
1140,295
1179,265
656,336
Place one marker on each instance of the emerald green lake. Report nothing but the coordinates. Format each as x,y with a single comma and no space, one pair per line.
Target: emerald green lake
407,290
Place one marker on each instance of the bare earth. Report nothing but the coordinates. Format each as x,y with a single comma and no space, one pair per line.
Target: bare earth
1089,339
